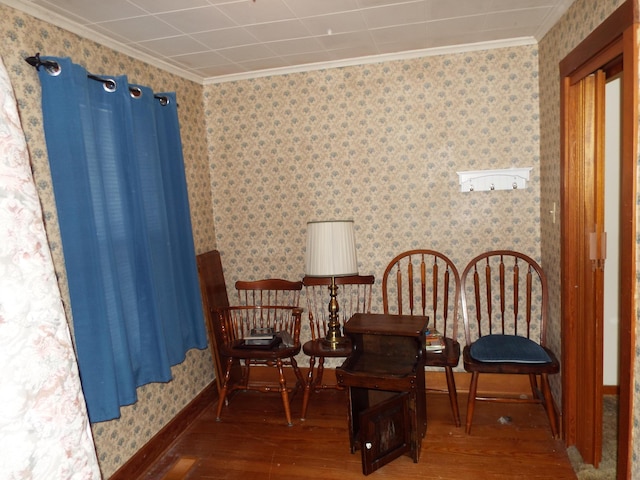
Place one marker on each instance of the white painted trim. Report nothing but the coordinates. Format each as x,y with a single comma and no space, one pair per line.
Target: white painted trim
389,57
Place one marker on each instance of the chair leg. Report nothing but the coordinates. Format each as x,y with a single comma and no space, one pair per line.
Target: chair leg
284,393
535,390
320,372
453,396
299,377
225,387
307,388
548,405
473,388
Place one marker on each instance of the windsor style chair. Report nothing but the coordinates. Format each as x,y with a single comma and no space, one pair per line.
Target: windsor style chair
270,305
426,282
504,305
354,296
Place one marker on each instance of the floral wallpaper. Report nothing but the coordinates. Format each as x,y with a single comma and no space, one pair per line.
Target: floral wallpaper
379,144
21,36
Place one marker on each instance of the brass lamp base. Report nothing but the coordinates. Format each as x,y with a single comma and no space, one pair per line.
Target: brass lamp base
334,337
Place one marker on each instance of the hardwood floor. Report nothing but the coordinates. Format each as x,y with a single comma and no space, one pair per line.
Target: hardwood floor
253,442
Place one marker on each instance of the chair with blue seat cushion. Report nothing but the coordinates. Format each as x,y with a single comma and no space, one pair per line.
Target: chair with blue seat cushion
504,307
508,348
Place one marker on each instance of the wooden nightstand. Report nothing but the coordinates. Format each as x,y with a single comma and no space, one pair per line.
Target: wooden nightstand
385,379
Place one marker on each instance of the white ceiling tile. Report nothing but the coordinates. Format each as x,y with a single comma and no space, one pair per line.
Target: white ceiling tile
96,11
352,52
109,34
224,38
296,46
346,40
438,9
307,58
492,35
461,25
516,19
197,19
380,3
159,6
173,46
202,59
69,16
416,32
246,53
307,8
451,39
139,29
248,12
220,2
500,5
406,44
264,63
339,23
269,32
401,14
220,70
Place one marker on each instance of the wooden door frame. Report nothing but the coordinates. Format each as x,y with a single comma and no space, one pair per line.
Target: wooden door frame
617,36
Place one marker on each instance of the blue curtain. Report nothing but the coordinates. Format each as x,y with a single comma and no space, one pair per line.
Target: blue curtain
119,183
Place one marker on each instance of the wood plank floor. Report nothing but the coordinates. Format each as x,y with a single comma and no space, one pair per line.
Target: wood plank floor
253,442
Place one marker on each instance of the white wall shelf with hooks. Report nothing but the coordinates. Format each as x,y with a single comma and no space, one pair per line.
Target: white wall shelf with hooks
496,179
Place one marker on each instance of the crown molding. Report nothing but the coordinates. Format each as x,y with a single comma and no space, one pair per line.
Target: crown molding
390,57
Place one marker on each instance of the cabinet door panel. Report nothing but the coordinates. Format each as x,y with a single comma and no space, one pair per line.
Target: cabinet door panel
385,432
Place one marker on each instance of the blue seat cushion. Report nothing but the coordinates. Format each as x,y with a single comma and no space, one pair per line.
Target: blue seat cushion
508,348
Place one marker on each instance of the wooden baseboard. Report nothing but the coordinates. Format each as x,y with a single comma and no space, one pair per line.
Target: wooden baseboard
489,383
435,379
493,383
611,390
144,458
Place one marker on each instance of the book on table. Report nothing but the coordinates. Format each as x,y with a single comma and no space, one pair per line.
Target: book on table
433,341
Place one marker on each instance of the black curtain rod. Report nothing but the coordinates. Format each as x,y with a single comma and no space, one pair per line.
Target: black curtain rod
110,84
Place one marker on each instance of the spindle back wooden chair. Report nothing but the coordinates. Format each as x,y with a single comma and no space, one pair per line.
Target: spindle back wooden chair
268,303
504,302
354,296
426,282
238,322
272,291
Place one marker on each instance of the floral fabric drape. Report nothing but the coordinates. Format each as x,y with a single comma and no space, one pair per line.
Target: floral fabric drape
119,182
44,428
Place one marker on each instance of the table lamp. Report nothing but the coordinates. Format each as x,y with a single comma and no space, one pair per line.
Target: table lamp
331,252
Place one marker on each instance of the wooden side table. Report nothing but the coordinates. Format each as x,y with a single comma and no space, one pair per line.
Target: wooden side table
385,379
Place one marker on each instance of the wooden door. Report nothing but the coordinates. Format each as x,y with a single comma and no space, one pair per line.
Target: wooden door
586,209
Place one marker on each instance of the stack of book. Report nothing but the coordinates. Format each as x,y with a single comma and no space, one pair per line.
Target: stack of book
433,341
262,338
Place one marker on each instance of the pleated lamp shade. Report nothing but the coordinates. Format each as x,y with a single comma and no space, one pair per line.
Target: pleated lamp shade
331,249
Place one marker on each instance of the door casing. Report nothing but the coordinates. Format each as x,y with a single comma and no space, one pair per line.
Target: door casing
614,42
